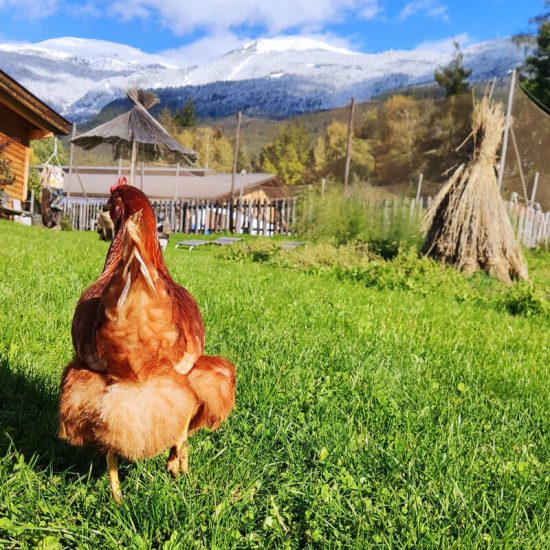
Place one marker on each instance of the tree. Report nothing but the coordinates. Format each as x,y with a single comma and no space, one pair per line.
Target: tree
289,156
453,77
187,117
330,153
214,149
167,121
537,66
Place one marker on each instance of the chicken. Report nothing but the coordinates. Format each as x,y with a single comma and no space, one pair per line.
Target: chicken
139,383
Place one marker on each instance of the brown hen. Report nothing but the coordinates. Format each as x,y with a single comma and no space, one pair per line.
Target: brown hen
139,383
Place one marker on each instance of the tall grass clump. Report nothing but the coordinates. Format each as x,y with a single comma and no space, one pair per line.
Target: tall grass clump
366,215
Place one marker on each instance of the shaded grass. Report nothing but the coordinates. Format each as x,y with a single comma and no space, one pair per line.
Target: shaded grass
365,417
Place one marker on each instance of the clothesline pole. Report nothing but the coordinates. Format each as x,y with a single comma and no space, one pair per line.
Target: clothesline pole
177,181
71,157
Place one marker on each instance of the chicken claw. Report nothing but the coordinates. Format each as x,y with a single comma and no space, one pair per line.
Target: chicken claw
178,459
112,467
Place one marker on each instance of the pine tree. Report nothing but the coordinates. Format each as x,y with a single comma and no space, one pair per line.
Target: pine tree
187,117
537,66
453,78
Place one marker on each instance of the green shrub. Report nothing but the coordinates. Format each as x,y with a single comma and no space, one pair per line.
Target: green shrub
366,215
525,299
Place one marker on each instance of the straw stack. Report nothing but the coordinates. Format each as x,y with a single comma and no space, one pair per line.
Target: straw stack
467,225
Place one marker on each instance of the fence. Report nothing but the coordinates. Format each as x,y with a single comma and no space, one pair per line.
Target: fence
531,225
252,217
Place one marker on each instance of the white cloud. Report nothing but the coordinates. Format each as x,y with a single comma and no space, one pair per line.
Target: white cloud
431,8
32,9
446,45
204,49
224,16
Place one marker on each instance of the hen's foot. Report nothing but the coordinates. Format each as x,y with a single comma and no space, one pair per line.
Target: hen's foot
178,460
112,467
173,463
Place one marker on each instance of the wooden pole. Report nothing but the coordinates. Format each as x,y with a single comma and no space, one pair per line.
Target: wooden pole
71,159
234,172
177,181
520,168
141,176
207,149
419,187
349,146
506,130
120,167
535,185
323,185
133,162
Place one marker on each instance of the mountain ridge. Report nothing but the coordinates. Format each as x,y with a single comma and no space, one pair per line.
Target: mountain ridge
276,77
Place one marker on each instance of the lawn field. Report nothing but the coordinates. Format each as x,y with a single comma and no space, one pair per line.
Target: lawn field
365,418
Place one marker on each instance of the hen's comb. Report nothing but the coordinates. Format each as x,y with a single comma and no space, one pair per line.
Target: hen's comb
120,181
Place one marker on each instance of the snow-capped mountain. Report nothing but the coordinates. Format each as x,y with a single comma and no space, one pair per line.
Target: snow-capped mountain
273,77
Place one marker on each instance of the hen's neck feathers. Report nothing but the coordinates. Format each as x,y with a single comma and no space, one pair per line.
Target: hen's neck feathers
148,235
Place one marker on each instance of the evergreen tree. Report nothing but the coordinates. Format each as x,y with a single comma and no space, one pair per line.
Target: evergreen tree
537,66
187,117
453,78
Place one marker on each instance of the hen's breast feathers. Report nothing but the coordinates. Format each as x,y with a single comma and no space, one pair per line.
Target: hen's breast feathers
144,321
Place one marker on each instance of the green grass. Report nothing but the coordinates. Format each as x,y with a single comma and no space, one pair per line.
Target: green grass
365,418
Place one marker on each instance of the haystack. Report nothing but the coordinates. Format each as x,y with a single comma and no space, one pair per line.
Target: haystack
467,225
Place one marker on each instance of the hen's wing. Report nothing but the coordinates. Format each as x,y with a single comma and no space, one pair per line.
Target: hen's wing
85,325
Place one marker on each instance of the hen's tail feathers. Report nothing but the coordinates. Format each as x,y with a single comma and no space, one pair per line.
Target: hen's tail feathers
135,258
213,380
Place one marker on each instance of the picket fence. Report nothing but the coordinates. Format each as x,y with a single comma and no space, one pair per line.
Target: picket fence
531,225
201,217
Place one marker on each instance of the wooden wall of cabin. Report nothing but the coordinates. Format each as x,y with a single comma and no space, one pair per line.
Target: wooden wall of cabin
18,130
18,155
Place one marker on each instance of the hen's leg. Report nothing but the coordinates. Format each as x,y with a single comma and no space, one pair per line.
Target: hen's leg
112,467
178,460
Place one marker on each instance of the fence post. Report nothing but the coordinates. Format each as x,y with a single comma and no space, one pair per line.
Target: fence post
535,185
419,187
507,130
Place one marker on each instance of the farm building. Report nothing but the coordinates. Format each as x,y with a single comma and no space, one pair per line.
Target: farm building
23,118
169,183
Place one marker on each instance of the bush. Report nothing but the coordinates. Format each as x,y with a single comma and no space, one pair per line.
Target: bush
368,215
524,299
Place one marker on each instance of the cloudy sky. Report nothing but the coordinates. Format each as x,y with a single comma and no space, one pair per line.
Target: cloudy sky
195,31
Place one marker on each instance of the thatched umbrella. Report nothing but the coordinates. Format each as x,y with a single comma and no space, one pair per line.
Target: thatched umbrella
137,135
467,224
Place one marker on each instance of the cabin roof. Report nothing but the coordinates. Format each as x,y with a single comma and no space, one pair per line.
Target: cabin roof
28,106
162,183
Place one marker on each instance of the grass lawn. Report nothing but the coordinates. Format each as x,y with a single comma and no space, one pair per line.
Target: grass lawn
365,418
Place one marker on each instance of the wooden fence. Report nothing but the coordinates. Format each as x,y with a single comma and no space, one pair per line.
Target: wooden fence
531,225
202,217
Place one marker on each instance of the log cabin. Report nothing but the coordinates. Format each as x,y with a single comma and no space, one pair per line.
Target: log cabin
23,118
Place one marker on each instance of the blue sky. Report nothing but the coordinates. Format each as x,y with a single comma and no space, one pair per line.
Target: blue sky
197,30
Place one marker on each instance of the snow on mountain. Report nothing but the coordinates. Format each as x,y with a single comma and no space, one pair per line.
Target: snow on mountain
80,76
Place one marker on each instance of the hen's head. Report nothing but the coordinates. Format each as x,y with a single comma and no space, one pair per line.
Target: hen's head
126,201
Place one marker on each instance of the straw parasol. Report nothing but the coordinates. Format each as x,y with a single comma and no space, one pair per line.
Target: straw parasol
467,224
137,135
